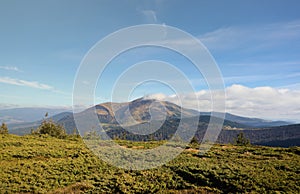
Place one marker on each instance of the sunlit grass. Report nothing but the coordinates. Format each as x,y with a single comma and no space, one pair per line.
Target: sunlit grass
45,164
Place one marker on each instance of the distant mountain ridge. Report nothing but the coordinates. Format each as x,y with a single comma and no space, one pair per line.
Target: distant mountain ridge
251,122
138,110
25,127
30,114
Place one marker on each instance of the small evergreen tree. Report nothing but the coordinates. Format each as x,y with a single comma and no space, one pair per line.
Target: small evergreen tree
92,135
75,131
194,140
4,129
242,140
32,131
177,138
51,128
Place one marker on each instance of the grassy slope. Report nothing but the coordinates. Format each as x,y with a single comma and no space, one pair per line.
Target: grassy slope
45,164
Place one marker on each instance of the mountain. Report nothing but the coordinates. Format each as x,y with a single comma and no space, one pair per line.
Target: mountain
282,136
144,115
140,111
251,122
132,113
21,115
166,129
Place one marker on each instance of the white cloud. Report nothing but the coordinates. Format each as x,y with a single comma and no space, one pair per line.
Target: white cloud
158,96
262,102
10,68
19,82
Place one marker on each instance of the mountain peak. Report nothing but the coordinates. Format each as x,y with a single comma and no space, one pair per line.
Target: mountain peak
140,110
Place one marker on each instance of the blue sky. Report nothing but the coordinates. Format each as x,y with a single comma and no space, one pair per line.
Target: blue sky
255,43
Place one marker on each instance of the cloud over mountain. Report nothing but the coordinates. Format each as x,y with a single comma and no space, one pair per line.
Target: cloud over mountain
264,102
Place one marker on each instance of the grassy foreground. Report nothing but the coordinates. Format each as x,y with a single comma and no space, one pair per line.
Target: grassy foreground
34,164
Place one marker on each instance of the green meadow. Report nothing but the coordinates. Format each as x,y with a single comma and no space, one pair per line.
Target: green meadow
45,164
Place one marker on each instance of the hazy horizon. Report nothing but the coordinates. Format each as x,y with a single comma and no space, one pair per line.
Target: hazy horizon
80,109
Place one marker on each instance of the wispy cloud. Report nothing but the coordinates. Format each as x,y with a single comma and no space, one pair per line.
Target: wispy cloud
257,78
295,86
20,82
267,63
254,37
150,16
149,10
8,106
229,80
10,68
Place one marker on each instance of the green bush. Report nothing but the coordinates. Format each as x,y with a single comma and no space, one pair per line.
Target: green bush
51,128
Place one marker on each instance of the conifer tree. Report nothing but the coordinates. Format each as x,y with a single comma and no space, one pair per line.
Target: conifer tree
242,140
4,129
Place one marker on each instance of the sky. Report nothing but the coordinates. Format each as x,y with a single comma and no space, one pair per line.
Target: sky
255,44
